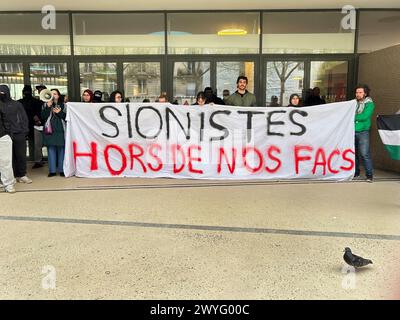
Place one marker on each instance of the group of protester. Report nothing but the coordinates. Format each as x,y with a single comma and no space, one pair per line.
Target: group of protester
312,98
43,124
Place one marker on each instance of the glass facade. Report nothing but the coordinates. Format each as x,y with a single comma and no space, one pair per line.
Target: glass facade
227,73
281,52
142,80
189,78
34,34
98,76
306,32
118,33
378,30
52,75
13,75
213,33
283,79
331,78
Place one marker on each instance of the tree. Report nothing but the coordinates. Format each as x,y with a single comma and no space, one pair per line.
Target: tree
285,71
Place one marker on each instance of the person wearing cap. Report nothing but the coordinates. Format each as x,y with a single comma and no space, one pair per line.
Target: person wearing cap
33,108
6,169
19,129
97,96
87,96
274,102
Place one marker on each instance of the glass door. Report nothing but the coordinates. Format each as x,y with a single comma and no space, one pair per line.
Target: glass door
283,78
189,77
142,80
229,71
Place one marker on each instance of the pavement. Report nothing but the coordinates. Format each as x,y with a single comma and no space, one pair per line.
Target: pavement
131,238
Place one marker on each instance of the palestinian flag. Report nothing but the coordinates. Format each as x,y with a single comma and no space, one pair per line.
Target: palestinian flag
389,130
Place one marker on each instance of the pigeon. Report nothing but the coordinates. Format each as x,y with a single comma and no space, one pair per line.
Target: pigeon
353,260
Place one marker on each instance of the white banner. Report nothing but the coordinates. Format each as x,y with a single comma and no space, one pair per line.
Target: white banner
210,142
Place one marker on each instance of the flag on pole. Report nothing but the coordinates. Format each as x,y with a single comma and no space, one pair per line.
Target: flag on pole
389,131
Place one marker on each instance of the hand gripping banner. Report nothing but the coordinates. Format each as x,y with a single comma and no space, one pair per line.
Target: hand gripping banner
210,142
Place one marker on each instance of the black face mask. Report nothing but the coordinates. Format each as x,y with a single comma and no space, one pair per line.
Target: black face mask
3,97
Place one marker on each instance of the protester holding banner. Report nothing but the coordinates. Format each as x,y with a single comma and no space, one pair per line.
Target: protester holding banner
201,99
87,96
365,108
294,100
116,96
241,97
53,132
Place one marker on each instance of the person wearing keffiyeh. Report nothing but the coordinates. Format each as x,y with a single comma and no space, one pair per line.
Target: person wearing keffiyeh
365,108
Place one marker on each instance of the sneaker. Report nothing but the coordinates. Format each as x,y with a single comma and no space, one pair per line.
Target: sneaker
370,179
10,189
37,165
24,179
51,175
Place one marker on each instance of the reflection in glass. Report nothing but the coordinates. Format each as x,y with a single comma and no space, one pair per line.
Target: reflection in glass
213,33
119,33
378,30
23,34
331,78
12,75
283,79
306,32
52,75
190,78
142,80
98,76
227,73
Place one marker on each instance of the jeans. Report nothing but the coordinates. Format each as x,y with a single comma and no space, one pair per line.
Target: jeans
55,158
363,152
6,169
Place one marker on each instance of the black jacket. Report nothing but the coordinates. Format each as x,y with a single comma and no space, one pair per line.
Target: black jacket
33,107
14,113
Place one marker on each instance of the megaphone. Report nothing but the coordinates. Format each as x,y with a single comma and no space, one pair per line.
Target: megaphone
45,95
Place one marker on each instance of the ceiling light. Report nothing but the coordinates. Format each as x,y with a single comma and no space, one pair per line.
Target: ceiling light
232,32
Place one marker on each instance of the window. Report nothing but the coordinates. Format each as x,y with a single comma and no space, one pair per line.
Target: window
12,75
190,78
229,71
331,78
213,33
52,75
23,34
283,79
119,33
98,76
378,30
306,32
142,80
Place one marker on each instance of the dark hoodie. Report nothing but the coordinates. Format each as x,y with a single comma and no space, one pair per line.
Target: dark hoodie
14,112
33,107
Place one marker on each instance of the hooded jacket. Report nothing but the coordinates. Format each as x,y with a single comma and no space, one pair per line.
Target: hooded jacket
33,107
14,113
